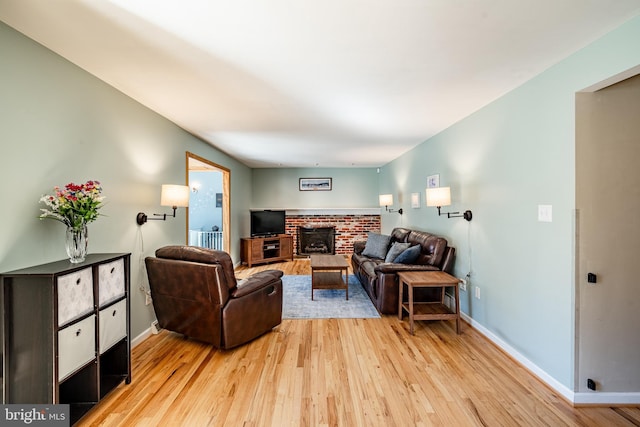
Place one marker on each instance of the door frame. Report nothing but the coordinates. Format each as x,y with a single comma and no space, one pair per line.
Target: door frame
226,194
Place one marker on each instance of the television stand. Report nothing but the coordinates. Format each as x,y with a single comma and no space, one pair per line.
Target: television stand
261,250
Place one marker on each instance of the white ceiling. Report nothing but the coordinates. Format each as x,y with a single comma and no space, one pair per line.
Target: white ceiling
331,83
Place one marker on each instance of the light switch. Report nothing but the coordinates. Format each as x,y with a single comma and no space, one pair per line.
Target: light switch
545,213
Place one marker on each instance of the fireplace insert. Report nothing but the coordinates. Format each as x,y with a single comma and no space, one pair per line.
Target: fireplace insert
316,239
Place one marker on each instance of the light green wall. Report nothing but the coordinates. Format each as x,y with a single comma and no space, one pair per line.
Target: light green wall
278,188
502,162
60,124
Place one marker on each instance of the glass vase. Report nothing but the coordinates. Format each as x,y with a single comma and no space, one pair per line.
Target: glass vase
76,243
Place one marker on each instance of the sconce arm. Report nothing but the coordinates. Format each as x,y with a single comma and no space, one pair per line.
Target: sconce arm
142,217
466,214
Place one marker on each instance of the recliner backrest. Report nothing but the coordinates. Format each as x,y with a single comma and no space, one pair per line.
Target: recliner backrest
203,256
187,280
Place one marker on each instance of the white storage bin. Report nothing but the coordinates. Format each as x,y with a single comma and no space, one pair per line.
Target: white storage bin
75,295
76,346
110,281
113,325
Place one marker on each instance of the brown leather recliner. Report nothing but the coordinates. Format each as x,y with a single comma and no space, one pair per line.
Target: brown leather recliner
195,293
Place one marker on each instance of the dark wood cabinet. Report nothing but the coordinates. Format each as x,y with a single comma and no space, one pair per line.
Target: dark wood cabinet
66,332
260,250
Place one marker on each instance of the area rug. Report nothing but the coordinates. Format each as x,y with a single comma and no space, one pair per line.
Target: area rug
327,303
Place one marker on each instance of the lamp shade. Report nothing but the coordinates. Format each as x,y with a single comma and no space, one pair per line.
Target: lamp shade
386,199
439,196
174,195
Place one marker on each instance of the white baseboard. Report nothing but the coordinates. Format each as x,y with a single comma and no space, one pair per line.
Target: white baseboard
143,336
591,398
596,398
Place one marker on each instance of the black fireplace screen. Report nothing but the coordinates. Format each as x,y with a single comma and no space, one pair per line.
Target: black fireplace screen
316,240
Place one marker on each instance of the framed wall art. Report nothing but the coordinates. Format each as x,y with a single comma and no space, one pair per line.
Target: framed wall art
433,181
315,184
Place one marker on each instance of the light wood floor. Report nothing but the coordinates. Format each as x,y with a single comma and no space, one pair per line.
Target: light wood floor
339,372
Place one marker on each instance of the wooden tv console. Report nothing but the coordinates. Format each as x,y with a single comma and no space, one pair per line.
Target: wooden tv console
260,250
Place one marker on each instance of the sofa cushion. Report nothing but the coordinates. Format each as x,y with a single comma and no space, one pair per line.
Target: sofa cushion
409,256
395,250
376,246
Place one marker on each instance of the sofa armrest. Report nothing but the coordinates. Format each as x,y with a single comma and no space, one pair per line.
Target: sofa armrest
448,259
358,246
256,282
390,267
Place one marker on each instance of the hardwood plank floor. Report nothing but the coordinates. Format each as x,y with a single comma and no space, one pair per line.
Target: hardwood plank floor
339,372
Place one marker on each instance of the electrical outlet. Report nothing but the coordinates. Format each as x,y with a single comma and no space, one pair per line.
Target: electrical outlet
591,384
147,299
155,327
477,292
465,282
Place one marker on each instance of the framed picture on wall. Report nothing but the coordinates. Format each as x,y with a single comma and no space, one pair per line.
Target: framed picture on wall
315,184
433,181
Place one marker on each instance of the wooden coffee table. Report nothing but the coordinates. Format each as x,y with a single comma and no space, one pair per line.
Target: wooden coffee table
327,271
435,310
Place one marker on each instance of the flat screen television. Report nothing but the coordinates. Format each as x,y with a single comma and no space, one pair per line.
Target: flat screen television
267,223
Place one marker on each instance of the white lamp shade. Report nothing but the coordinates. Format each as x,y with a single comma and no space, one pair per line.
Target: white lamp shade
439,196
174,195
386,199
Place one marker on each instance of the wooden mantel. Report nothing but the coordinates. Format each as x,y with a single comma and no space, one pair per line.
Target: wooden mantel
333,211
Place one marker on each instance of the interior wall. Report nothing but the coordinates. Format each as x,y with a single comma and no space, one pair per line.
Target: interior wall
278,188
502,162
60,124
607,198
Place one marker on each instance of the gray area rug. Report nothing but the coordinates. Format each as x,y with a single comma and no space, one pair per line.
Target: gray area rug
327,303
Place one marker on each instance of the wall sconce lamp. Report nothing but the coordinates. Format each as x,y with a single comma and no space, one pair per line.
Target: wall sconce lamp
441,196
172,195
386,200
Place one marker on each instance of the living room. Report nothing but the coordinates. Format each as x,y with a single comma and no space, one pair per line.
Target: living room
502,162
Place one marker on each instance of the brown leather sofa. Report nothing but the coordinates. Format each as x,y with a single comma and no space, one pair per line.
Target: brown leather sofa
195,293
380,279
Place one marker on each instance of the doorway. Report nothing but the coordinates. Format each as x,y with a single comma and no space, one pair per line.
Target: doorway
607,236
208,219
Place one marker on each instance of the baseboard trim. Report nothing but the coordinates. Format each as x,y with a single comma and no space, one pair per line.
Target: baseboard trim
140,338
595,398
577,399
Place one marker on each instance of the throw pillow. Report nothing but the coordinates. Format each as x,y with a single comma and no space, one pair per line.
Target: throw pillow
376,246
409,256
396,249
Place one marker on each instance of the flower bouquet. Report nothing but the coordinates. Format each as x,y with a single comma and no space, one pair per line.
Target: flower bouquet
75,206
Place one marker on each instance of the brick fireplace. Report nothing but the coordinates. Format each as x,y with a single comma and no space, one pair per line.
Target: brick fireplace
349,227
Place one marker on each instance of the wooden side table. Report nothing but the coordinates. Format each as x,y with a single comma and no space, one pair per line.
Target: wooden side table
435,310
